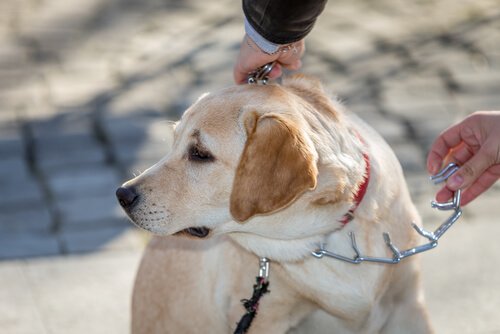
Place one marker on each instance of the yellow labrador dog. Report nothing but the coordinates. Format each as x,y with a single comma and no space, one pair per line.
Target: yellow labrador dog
273,171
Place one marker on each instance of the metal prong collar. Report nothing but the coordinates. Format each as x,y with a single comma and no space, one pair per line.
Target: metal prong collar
397,255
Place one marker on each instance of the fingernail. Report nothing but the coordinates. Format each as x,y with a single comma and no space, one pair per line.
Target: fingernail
455,182
433,167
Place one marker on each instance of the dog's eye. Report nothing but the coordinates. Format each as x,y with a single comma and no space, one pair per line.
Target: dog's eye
197,154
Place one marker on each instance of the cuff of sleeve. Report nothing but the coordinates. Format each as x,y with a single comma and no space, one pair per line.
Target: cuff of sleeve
262,43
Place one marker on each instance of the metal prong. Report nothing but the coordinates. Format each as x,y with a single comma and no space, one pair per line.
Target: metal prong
444,174
354,245
424,233
448,223
318,253
456,198
451,205
443,206
388,242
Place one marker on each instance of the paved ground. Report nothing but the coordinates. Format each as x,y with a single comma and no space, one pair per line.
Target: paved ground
86,87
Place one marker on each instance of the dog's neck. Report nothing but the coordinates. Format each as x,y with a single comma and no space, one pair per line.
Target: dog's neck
285,249
294,232
360,194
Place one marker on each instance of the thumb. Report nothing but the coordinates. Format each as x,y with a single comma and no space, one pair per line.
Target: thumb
469,172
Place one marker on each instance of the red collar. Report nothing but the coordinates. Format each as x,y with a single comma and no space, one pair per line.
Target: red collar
360,194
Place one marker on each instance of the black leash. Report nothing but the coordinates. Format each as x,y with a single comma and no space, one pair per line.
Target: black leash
251,305
259,76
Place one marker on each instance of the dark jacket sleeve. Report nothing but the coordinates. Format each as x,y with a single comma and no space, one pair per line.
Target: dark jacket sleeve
283,21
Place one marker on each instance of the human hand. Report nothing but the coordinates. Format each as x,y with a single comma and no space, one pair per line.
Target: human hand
474,144
252,57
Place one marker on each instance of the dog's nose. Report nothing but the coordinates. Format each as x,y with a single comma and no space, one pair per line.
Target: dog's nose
127,197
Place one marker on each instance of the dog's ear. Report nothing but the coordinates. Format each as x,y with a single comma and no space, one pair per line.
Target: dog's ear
276,166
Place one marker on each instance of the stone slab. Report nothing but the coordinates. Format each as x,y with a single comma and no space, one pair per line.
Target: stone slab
25,219
68,151
19,313
22,245
11,142
74,294
118,238
76,182
90,211
18,186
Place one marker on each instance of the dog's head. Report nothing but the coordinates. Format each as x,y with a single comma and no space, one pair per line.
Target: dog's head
241,156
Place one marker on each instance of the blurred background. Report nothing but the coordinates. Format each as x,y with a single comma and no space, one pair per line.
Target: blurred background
87,87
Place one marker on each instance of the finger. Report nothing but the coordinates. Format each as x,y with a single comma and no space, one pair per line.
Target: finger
294,66
483,183
276,71
444,195
249,59
290,58
240,72
239,76
470,171
461,154
446,141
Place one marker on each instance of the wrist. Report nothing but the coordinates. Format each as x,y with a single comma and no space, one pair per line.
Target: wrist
263,44
281,48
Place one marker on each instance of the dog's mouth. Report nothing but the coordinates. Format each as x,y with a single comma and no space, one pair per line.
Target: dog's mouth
197,232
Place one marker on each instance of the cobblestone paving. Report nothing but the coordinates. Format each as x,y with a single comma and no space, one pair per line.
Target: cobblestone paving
86,89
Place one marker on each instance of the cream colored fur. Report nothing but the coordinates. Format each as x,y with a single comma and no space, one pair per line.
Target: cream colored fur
195,286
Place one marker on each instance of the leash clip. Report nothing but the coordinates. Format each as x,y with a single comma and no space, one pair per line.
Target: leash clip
260,75
264,268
